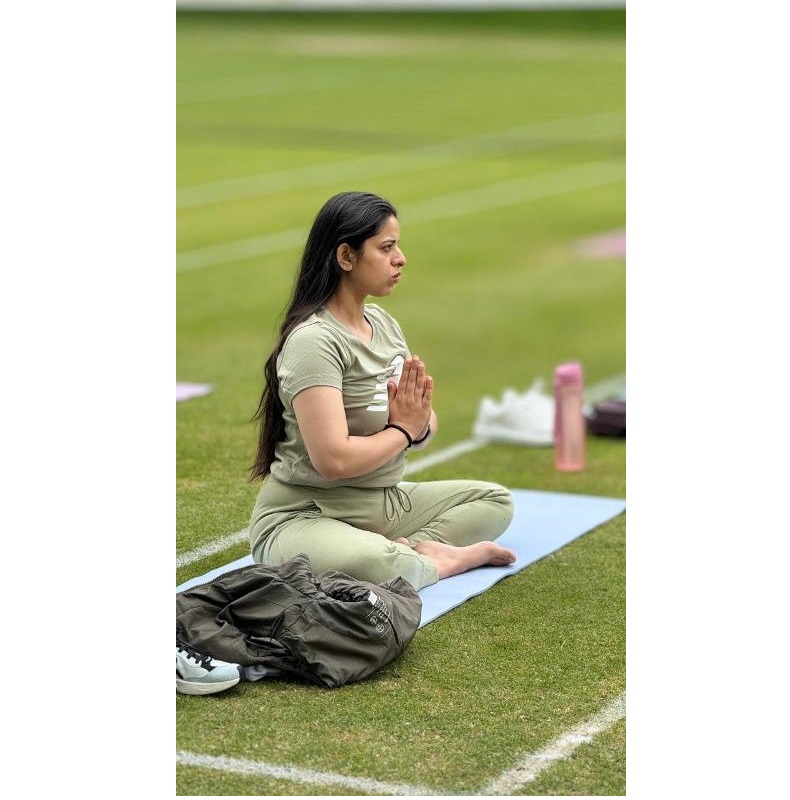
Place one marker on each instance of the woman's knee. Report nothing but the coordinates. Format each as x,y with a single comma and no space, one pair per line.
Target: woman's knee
374,563
387,561
501,497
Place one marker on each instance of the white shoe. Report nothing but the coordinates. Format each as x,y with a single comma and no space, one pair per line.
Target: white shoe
198,673
519,419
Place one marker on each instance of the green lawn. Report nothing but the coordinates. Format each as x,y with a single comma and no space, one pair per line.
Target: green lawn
483,129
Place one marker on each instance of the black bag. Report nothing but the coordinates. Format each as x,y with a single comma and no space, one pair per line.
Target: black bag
329,629
607,418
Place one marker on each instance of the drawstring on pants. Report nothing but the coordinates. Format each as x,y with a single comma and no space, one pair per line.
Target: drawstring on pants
391,495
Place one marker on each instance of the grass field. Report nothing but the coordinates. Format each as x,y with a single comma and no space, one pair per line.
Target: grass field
501,140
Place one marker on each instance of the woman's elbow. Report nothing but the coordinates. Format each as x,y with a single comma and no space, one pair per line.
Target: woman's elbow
330,468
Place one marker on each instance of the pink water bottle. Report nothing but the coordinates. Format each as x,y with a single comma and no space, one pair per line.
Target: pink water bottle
569,426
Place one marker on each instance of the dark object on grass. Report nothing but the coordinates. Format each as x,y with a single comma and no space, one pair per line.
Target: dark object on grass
328,629
607,418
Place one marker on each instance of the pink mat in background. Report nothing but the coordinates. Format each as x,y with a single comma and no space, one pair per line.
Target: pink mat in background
184,391
604,245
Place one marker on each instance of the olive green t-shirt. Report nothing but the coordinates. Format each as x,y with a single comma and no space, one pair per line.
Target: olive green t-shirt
322,352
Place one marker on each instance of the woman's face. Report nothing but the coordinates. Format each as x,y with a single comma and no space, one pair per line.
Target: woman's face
377,268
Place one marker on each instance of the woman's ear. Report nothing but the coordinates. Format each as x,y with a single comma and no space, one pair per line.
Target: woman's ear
345,257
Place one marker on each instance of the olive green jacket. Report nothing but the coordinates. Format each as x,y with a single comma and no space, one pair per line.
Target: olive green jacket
329,629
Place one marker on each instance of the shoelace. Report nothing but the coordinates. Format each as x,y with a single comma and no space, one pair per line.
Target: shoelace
201,659
391,495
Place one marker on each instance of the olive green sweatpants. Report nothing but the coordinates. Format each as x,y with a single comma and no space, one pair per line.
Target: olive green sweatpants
352,529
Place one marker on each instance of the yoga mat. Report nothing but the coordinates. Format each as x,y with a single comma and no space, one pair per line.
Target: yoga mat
543,522
184,391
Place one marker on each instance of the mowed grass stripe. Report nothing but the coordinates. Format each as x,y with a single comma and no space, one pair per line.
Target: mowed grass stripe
254,86
369,45
531,137
245,767
453,204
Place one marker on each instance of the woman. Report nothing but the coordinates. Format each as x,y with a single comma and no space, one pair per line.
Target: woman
343,402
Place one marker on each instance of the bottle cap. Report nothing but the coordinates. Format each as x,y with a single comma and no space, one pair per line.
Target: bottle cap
569,374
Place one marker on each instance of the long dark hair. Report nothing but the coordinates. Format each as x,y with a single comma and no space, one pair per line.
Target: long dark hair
350,217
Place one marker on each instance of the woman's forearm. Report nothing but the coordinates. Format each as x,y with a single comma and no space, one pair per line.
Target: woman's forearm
358,455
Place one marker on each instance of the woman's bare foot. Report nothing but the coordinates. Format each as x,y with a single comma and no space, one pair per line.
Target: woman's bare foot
450,560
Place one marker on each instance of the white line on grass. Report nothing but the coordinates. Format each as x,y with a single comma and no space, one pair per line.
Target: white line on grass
531,765
453,204
592,394
440,456
245,767
240,249
564,131
524,772
519,190
217,546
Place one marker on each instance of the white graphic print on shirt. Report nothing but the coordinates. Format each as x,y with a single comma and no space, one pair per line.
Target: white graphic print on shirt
394,371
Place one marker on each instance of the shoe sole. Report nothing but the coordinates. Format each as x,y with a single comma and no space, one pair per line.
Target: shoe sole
507,435
190,687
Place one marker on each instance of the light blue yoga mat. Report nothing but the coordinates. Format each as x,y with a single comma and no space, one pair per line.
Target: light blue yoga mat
543,522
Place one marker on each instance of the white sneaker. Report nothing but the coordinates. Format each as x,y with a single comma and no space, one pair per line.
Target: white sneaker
198,673
519,419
